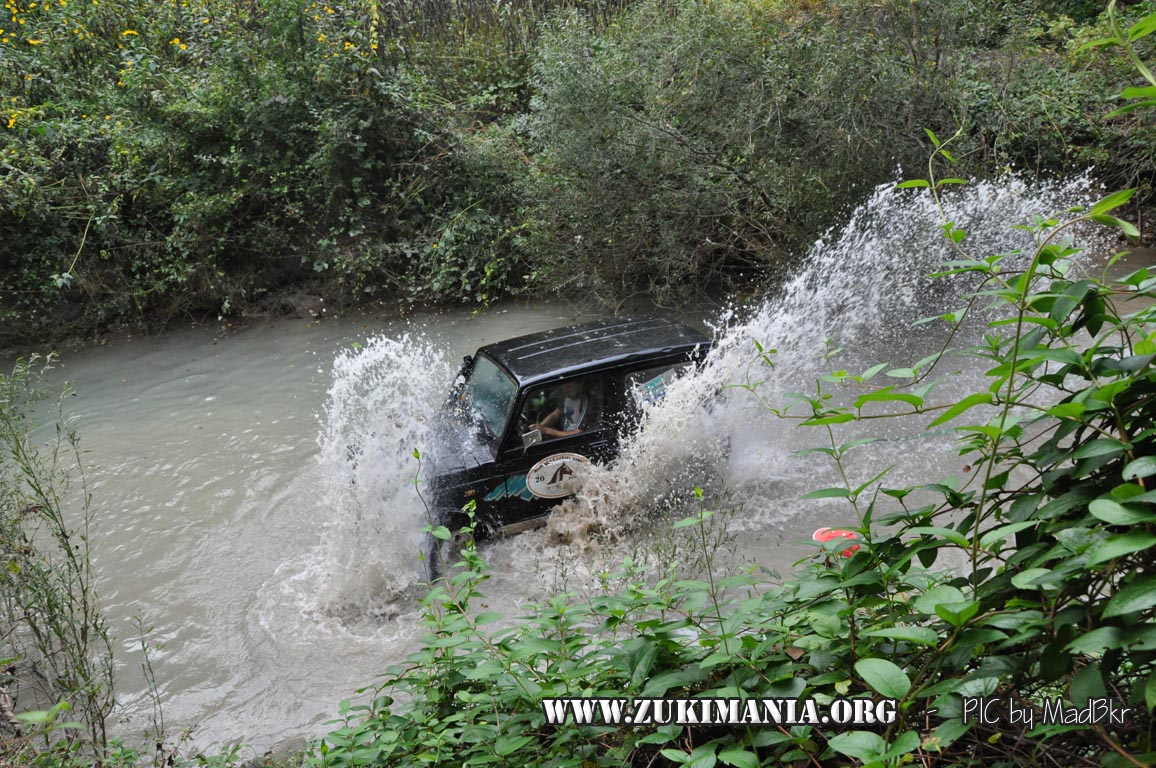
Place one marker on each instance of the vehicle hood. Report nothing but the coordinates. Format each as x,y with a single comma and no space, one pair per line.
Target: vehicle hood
457,451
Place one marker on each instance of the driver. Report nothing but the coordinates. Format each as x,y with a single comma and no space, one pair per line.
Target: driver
573,412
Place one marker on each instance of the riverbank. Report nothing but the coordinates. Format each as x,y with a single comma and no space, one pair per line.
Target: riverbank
161,175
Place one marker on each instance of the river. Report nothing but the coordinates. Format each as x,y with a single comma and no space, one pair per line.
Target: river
278,577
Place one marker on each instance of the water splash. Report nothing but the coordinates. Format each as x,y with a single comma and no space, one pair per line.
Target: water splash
381,406
860,288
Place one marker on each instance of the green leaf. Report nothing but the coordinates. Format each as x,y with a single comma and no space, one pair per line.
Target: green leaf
1002,532
908,742
1088,683
507,745
861,745
920,635
948,733
926,602
1032,578
1096,641
884,676
1103,446
1115,513
913,183
1112,201
1137,596
1098,43
1126,227
665,681
1142,28
1067,410
957,614
739,758
828,493
1139,93
865,485
1120,545
836,418
488,617
1145,466
887,395
703,757
979,398
955,537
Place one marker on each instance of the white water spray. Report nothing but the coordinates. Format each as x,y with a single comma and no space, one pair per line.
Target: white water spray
381,406
860,289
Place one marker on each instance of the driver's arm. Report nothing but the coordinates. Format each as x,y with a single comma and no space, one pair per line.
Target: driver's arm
549,421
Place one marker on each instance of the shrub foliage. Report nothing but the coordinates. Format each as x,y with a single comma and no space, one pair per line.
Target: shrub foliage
195,156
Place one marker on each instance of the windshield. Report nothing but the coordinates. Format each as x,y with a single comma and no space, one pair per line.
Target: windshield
490,393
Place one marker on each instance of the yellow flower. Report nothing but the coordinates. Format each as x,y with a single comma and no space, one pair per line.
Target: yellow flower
128,32
348,45
35,42
175,41
321,38
12,121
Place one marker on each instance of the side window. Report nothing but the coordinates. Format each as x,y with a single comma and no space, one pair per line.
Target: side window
646,387
560,410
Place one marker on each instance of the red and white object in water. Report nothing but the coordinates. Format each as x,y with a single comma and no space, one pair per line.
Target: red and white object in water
824,535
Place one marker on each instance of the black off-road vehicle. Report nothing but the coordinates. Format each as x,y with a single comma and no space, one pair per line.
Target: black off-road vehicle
525,412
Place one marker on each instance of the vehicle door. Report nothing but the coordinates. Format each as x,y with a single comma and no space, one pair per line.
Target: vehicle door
559,427
641,388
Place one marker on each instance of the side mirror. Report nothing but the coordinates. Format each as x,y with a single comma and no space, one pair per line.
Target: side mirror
533,437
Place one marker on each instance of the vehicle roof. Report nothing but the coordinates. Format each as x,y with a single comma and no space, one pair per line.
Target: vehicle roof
591,346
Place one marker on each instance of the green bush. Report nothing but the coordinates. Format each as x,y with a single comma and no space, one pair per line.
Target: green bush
55,652
190,158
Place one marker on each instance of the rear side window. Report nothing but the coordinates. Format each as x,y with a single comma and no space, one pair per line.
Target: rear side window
646,387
